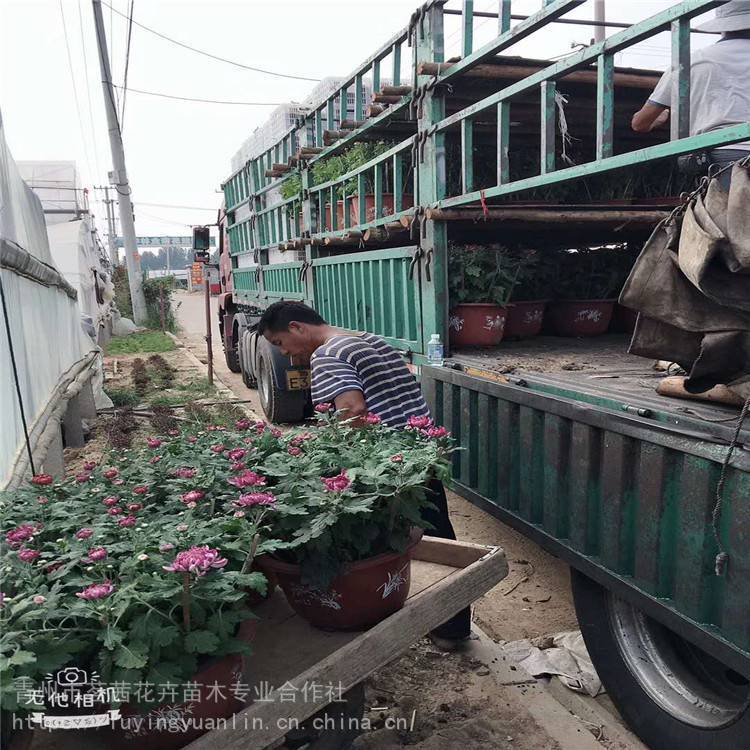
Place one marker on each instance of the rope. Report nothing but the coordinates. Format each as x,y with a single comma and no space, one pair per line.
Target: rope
561,100
722,557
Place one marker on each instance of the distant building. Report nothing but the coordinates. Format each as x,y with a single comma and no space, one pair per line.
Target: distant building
58,186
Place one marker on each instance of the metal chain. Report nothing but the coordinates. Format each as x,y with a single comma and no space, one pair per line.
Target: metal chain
722,556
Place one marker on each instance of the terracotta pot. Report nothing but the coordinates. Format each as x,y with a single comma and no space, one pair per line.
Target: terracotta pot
407,201
476,324
162,727
524,319
254,598
580,317
339,216
623,319
366,593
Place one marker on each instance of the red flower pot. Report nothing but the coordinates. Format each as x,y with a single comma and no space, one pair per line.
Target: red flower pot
339,217
407,201
580,317
524,319
366,593
173,725
476,324
623,319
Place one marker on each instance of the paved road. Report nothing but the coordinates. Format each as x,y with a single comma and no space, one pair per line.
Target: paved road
190,311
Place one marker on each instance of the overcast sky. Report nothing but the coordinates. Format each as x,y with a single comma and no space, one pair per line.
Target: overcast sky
178,153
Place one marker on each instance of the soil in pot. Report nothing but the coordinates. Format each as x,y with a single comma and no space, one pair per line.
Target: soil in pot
524,319
476,324
407,201
580,317
366,593
623,319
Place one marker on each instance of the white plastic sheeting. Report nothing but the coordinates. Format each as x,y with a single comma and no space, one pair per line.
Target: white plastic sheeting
44,320
77,259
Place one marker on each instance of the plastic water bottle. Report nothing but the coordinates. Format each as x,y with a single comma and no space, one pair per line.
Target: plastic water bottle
435,351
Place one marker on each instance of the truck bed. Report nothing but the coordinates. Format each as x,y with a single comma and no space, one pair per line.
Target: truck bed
599,367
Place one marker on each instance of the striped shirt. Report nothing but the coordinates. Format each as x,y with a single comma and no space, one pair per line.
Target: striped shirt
367,363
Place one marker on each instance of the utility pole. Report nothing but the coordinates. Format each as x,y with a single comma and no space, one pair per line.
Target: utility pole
119,176
114,257
599,17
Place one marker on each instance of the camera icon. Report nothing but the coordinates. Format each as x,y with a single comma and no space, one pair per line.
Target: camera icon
71,676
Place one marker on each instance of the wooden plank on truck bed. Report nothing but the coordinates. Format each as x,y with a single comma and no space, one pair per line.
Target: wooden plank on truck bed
446,577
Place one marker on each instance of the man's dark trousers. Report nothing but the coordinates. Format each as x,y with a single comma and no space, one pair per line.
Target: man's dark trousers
459,626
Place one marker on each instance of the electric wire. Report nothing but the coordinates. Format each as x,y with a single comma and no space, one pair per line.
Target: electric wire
15,377
127,64
75,90
94,139
193,99
209,54
171,205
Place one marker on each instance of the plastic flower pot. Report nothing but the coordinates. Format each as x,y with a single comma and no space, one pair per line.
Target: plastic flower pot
476,324
173,725
580,317
366,593
407,201
524,319
623,319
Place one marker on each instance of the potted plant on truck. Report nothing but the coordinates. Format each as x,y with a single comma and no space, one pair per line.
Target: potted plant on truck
586,287
481,279
529,296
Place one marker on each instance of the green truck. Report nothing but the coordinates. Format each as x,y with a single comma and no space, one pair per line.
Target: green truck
355,210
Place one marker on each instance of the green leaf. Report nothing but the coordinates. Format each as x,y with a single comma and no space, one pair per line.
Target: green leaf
163,636
22,657
201,642
131,656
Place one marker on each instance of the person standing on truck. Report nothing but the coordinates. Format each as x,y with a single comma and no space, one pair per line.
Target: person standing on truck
719,90
361,374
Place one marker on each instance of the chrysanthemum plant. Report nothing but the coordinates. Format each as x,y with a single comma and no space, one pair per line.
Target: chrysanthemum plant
139,567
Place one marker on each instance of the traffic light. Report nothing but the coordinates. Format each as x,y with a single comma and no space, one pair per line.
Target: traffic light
201,244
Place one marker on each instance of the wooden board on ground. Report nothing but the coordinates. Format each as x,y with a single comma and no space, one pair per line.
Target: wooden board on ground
293,659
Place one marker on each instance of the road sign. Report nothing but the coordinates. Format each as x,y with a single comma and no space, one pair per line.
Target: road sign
164,241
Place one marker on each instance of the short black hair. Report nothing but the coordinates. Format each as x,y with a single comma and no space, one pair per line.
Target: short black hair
279,315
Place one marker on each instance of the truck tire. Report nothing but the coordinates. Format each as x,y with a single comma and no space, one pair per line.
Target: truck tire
278,405
670,692
231,355
244,355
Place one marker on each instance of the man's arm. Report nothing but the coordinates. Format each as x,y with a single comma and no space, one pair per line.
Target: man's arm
651,115
353,406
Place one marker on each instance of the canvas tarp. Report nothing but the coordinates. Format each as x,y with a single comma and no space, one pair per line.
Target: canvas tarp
691,284
43,318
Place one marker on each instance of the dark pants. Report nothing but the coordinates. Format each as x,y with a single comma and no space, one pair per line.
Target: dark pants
459,626
723,156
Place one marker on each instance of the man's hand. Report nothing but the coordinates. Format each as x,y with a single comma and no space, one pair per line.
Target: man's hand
648,117
353,406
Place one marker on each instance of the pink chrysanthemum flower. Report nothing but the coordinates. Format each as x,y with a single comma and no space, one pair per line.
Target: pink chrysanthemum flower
339,483
96,591
248,479
192,497
84,533
255,498
198,560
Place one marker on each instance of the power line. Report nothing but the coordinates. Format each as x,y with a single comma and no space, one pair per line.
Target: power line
209,54
202,101
75,91
88,93
171,205
127,63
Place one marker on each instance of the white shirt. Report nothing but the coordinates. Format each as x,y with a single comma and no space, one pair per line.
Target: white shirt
719,87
